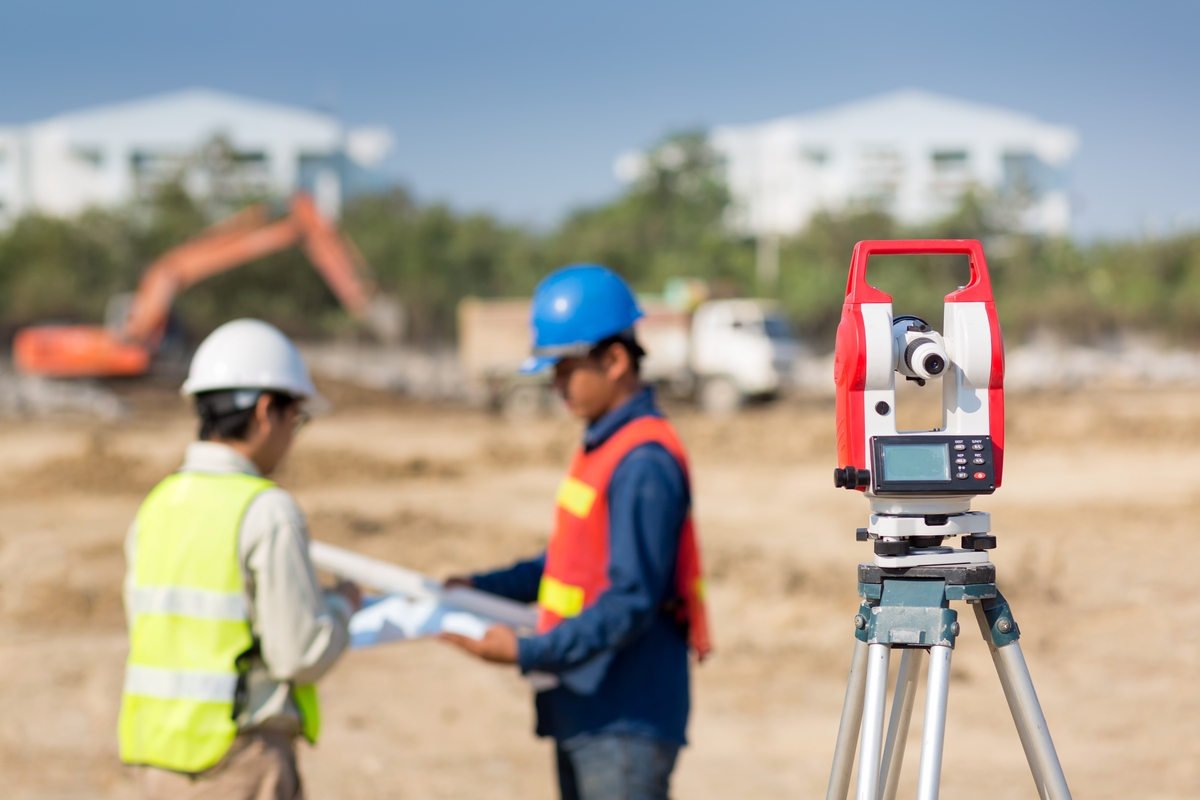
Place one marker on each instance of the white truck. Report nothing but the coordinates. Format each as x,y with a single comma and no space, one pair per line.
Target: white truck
720,354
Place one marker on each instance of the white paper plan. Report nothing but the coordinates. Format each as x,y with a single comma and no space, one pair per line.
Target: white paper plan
415,605
390,618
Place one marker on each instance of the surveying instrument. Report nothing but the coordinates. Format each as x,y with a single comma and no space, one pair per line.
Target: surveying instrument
920,485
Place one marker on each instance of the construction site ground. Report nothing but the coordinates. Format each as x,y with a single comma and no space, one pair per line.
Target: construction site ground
1097,529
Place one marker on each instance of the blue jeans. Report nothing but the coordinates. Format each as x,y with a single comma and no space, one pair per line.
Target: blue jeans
615,767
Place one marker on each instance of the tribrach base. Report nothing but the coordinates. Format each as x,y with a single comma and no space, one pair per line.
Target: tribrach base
910,609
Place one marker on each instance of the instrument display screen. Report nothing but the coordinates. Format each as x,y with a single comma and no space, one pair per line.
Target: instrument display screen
916,462
932,464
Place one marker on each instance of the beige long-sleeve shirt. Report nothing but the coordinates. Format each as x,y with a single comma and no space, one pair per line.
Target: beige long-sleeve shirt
301,628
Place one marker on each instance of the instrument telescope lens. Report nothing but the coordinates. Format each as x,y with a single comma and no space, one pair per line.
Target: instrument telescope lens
920,351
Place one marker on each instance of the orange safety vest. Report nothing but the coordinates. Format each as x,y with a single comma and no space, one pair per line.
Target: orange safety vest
576,571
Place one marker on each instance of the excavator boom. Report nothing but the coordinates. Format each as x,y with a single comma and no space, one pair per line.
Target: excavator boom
93,351
335,257
186,266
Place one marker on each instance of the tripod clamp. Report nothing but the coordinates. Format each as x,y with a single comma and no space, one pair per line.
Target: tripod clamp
911,606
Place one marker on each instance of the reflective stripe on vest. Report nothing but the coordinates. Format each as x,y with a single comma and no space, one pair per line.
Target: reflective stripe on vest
556,596
190,625
185,602
575,496
176,684
577,558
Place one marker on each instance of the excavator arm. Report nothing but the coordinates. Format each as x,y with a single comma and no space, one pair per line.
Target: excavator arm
335,257
92,351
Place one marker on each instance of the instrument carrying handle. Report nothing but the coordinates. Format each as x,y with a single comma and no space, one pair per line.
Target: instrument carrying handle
978,288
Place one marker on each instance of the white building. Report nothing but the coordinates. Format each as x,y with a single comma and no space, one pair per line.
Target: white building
910,153
214,141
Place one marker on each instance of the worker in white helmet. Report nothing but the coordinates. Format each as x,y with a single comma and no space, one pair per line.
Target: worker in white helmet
229,629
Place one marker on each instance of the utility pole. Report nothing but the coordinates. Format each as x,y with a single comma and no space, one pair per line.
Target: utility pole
767,262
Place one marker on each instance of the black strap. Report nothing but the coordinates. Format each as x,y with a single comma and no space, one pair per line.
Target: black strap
242,663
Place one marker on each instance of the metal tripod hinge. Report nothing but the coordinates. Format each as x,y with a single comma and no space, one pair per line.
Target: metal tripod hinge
910,609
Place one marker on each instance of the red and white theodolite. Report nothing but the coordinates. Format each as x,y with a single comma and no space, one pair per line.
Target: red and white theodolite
920,485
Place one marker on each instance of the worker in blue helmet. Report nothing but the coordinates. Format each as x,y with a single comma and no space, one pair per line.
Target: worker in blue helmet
576,308
618,588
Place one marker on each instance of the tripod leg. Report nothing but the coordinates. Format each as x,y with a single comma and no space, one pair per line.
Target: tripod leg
1010,696
1012,662
847,738
937,692
897,732
1022,699
874,700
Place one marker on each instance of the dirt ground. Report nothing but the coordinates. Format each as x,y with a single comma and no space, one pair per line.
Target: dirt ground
1096,522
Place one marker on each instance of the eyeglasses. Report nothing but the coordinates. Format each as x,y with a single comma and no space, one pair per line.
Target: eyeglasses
302,419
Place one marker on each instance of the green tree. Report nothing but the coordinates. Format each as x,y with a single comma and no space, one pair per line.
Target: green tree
60,269
430,258
669,223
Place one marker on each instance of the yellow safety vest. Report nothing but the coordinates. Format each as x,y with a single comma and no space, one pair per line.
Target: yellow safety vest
191,631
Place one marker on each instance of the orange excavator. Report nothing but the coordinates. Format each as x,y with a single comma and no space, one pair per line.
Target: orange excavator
126,348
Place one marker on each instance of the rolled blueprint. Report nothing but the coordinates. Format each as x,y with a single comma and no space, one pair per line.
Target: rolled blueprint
416,605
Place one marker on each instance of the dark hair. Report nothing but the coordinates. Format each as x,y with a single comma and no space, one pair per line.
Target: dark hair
626,339
225,414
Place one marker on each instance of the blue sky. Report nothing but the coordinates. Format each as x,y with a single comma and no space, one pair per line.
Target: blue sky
518,108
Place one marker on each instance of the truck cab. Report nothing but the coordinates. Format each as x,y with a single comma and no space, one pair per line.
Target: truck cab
740,349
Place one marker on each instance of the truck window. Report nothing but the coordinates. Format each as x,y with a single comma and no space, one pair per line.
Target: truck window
778,328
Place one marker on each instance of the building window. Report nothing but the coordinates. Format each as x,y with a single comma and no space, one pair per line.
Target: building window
817,156
949,160
216,169
92,156
153,169
951,177
1027,175
881,173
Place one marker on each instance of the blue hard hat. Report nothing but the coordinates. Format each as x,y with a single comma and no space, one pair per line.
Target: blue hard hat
573,309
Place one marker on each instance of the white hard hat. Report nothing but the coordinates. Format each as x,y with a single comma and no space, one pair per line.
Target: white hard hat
248,354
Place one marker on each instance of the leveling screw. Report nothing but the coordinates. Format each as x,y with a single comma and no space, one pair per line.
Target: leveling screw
1004,625
954,629
860,621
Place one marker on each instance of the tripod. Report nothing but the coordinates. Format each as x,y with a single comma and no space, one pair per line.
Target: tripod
908,608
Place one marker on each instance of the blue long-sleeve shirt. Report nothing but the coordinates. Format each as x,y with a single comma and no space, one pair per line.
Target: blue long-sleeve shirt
622,662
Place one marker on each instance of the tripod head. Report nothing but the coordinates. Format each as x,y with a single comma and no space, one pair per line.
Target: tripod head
920,483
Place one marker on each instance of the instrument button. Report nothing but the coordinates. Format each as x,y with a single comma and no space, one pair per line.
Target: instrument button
962,476
980,476
960,446
977,460
977,447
